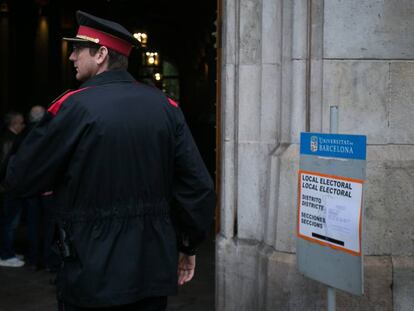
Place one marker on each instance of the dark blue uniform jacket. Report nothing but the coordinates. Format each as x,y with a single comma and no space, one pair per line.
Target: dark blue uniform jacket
130,186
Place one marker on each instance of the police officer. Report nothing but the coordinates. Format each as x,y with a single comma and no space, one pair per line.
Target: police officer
133,196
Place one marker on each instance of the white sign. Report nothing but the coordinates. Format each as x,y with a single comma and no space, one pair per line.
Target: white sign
330,211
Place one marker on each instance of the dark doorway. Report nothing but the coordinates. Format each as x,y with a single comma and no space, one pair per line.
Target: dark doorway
34,70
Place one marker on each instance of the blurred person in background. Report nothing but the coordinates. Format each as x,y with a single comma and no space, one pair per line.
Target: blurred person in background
12,207
41,215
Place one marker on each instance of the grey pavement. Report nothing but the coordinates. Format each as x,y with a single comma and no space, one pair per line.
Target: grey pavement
22,289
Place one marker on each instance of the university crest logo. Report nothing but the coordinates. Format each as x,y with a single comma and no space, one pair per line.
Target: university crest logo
314,143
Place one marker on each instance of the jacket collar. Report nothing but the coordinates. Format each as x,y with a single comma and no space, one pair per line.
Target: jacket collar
110,76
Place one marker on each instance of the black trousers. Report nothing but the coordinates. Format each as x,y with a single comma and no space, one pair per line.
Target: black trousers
147,304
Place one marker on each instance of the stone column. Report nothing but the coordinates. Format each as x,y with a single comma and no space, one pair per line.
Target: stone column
256,116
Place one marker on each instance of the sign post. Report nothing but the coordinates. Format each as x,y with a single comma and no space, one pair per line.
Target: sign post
330,200
333,122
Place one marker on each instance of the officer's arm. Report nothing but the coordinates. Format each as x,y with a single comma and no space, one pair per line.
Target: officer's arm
193,192
44,153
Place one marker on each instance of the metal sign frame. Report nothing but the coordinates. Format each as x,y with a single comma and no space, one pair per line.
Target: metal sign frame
326,154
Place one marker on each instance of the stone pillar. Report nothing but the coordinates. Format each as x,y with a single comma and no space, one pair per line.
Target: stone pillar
284,63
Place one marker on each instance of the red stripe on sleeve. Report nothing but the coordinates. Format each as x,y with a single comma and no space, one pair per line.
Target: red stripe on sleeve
56,105
175,104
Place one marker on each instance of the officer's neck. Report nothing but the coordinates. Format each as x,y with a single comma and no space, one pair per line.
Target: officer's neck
102,68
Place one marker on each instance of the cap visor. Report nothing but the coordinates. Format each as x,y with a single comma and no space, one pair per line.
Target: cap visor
75,39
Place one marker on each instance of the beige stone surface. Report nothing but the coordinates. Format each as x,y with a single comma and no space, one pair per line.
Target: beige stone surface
369,29
389,192
250,32
378,287
256,277
286,202
251,189
403,283
362,61
401,102
375,98
359,89
236,276
286,288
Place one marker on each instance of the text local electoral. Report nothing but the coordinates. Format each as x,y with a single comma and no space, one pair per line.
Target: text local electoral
326,185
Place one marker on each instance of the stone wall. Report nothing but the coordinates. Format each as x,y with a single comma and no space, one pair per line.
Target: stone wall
284,63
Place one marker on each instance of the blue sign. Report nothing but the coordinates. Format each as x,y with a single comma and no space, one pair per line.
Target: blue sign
334,145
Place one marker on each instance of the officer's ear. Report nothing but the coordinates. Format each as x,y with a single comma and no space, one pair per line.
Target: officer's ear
101,55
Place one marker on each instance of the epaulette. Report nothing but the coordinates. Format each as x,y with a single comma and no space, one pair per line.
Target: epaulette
57,102
174,103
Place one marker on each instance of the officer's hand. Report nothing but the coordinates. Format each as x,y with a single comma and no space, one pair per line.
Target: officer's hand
186,266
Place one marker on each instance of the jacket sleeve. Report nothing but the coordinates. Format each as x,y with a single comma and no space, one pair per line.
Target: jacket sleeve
41,158
193,191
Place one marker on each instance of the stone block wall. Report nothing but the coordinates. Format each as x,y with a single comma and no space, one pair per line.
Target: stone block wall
285,62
